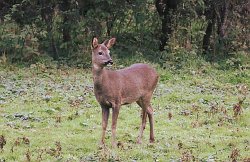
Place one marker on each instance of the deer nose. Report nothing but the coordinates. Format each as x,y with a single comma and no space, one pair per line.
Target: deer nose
110,62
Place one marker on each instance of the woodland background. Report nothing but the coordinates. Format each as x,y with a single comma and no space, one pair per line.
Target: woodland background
31,30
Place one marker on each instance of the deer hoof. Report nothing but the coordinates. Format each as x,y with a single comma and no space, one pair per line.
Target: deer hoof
152,140
139,141
102,145
114,144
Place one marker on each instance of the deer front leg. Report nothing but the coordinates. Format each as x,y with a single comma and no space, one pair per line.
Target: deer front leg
105,117
115,113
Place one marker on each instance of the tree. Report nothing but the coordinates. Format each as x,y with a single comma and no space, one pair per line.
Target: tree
63,28
47,13
225,16
216,13
166,10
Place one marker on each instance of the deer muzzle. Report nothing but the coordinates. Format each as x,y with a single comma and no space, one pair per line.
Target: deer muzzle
109,62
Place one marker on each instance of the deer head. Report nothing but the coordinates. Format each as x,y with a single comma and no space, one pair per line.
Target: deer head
100,52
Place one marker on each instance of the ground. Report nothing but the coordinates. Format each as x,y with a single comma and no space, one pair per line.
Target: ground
51,114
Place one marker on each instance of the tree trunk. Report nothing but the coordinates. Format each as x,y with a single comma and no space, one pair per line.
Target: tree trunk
208,33
222,14
216,12
210,17
47,12
66,20
166,9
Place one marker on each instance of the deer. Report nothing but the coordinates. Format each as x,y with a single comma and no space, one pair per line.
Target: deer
114,88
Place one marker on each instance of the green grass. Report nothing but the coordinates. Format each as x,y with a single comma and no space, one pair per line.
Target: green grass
49,114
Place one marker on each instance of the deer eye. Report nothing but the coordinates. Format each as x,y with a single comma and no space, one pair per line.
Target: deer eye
100,53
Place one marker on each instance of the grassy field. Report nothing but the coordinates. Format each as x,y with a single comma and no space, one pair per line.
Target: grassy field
50,114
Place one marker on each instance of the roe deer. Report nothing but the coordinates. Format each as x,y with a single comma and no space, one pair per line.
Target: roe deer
115,88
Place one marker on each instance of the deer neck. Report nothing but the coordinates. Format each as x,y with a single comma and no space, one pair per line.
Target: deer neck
98,75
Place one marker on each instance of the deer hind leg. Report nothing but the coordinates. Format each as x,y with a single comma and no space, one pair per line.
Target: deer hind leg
143,123
115,113
105,117
150,112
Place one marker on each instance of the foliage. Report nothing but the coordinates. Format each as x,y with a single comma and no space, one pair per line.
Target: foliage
63,29
20,43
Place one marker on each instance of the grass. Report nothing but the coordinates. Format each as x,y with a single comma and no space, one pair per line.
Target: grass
49,114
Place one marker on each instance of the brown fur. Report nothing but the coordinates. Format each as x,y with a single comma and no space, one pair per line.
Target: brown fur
115,88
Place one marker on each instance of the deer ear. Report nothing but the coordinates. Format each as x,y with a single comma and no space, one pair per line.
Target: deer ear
109,43
94,42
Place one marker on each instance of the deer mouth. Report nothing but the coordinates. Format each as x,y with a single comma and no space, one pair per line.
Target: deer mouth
110,62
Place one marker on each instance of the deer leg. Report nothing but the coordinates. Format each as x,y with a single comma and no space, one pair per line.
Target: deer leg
143,122
115,113
150,113
105,117
143,125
